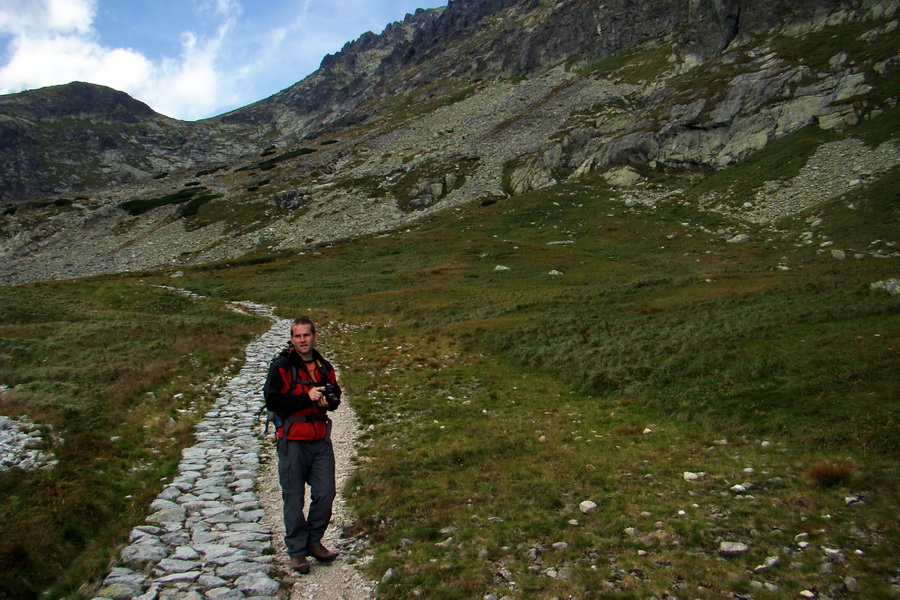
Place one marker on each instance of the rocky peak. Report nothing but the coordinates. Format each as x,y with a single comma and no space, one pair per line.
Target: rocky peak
81,136
77,100
489,39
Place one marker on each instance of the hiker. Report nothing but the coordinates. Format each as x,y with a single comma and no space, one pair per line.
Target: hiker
300,389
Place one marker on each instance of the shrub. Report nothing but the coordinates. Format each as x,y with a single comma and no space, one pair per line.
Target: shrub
272,162
191,208
139,207
209,171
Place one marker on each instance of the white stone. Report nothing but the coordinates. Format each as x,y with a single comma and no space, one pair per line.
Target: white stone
741,238
733,548
770,562
388,576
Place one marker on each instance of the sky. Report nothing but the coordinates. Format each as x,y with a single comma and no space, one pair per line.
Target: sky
188,59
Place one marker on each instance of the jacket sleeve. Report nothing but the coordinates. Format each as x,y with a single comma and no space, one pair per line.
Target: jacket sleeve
276,392
332,379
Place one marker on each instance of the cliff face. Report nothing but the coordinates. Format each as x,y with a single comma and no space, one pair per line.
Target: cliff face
487,39
477,100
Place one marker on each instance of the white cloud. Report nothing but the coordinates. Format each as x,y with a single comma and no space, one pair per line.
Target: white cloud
27,17
54,42
49,60
192,87
230,8
70,15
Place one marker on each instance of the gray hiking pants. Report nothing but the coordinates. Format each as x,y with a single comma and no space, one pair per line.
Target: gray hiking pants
299,463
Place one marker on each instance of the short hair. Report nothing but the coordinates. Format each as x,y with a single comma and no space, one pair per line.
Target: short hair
304,321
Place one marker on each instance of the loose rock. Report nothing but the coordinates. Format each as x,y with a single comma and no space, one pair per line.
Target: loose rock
733,548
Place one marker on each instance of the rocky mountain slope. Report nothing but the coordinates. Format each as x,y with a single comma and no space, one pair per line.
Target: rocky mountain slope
475,101
80,137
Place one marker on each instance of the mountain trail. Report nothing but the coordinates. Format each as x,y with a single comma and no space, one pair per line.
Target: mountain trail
211,531
339,580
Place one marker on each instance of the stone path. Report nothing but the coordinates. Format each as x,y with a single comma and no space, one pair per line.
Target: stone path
208,535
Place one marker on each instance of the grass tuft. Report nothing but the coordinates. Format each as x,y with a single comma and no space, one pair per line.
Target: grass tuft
829,473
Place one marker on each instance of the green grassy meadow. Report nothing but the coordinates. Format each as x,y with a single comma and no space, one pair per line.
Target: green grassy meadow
117,371
494,402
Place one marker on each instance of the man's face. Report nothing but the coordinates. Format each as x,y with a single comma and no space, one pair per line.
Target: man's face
303,339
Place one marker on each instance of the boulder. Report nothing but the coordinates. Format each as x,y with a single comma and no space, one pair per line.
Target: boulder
623,177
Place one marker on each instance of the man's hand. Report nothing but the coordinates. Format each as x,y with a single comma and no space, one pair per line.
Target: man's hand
318,397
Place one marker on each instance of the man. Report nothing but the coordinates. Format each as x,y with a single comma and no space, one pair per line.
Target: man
301,388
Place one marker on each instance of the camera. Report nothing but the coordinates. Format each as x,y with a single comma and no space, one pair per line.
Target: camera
330,392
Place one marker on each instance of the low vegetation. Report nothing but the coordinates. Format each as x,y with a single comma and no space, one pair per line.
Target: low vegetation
614,352
192,207
497,401
274,159
192,196
117,371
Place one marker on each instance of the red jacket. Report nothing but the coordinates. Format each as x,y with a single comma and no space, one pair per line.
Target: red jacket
287,394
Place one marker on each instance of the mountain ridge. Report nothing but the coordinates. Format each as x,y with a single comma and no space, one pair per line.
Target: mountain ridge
471,102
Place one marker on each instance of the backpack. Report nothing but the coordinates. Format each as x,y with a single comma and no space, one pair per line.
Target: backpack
272,416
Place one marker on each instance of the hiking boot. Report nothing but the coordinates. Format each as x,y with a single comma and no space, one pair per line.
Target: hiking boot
321,553
300,564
